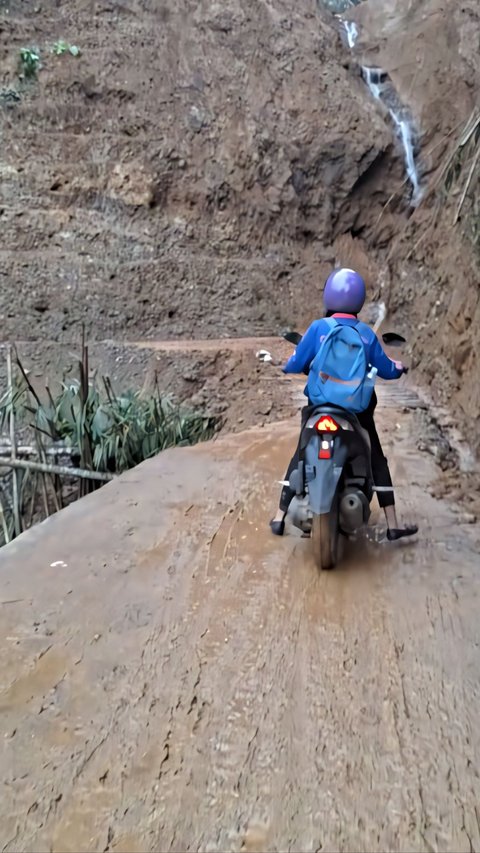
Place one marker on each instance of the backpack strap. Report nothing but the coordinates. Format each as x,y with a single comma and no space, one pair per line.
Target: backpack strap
332,323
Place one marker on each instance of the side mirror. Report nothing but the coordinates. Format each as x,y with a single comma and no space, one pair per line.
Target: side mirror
392,339
293,338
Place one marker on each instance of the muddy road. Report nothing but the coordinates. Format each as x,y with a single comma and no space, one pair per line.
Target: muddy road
173,678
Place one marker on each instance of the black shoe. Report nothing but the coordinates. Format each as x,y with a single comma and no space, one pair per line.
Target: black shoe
399,533
277,527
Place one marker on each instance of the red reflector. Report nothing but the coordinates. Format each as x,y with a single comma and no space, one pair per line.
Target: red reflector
325,451
326,424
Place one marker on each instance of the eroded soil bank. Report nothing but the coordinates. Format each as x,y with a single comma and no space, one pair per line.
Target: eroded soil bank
430,51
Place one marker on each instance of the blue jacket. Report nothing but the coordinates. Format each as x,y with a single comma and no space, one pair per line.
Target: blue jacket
308,347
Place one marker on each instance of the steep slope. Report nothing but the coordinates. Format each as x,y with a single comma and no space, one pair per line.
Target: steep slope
430,50
187,173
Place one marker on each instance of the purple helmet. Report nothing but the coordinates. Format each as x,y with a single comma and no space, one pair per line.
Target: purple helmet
344,292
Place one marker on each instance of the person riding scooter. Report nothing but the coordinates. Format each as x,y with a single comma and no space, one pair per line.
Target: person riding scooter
344,296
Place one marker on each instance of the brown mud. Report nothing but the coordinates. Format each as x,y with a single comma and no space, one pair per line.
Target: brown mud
174,678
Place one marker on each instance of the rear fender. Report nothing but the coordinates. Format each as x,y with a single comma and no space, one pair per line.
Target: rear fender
323,475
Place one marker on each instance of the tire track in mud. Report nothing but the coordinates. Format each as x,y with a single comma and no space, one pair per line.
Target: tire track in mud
217,692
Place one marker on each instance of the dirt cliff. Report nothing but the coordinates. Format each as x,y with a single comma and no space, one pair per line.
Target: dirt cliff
187,173
430,50
198,167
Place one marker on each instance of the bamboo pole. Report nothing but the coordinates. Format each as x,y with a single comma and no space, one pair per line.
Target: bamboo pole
43,486
61,470
47,479
29,519
6,534
30,450
16,508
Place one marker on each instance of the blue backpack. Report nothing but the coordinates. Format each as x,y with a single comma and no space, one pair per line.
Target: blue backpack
340,374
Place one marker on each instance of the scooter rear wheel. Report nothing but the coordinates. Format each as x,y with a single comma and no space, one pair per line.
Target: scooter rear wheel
325,539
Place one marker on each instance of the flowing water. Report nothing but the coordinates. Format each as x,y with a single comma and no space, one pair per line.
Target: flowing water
383,90
406,134
352,33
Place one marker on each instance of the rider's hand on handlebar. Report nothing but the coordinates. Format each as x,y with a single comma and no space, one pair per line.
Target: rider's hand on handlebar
400,366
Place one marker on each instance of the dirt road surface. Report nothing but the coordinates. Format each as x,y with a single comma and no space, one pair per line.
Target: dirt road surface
173,678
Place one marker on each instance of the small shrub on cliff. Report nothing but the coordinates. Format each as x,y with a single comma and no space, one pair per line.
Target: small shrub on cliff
29,62
60,47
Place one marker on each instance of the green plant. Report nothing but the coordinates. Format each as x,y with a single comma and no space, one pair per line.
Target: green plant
29,62
110,432
60,47
116,431
92,427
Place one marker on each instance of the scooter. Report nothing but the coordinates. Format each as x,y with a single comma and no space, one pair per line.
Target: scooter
333,482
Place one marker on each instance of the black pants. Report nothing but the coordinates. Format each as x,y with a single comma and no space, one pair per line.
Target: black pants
380,469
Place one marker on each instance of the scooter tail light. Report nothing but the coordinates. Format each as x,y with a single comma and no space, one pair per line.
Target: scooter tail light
326,424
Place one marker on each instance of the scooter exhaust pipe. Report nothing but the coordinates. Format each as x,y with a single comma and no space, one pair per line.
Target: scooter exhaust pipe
354,511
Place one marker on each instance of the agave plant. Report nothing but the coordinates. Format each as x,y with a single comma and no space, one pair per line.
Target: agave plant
110,432
101,430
